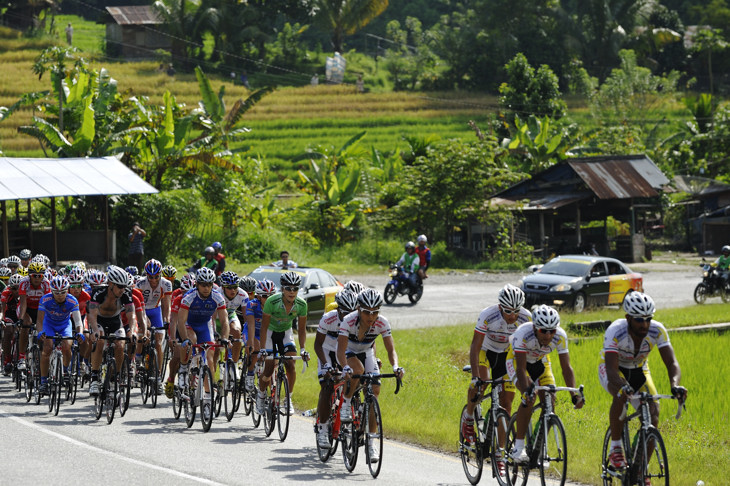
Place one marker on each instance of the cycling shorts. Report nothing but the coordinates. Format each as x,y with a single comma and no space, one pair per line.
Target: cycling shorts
203,332
281,341
32,313
155,316
110,325
256,333
638,378
539,371
496,365
368,360
61,328
331,357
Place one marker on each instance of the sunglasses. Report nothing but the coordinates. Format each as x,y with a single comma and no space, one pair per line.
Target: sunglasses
547,331
76,286
291,289
119,286
509,312
370,312
205,284
36,275
643,319
230,287
59,292
153,277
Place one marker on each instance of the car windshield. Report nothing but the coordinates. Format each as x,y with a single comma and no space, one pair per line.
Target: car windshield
573,268
274,275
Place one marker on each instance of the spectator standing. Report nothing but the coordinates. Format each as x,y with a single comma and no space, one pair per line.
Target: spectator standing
69,33
360,84
315,79
285,262
244,80
136,246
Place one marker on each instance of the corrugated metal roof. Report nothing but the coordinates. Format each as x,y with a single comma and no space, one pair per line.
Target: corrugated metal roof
620,177
134,15
536,202
37,178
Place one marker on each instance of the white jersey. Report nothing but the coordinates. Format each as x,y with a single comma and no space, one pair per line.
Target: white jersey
153,297
495,329
329,325
617,340
525,341
349,328
239,301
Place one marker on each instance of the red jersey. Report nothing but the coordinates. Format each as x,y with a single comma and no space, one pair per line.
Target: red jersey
33,295
83,299
176,300
11,304
138,306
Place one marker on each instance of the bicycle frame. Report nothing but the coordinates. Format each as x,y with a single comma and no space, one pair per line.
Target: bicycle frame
546,408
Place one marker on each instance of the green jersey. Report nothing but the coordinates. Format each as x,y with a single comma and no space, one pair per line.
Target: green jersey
281,320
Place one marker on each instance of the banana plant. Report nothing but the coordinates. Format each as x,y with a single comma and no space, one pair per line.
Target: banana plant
537,141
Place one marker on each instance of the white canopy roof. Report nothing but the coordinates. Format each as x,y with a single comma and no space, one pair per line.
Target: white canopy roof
26,178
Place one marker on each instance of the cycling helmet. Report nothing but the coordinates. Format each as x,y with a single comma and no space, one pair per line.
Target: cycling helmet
24,254
217,246
59,283
346,300
638,304
169,272
50,273
291,279
370,298
22,271
15,280
545,317
37,267
76,276
132,270
265,288
136,279
410,245
3,262
152,267
118,276
13,260
81,265
511,297
209,249
353,286
205,275
248,284
228,278
187,282
726,249
40,257
422,239
5,273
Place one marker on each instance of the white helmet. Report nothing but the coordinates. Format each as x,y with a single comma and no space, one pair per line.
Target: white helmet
205,275
545,317
370,298
511,297
422,239
346,300
118,276
638,304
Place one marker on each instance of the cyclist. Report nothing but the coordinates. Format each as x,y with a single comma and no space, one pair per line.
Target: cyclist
409,262
13,263
424,256
252,328
276,332
356,350
528,362
55,312
5,274
197,307
624,366
187,283
236,299
104,309
351,285
24,256
9,300
76,288
157,293
325,347
169,272
219,257
30,291
488,353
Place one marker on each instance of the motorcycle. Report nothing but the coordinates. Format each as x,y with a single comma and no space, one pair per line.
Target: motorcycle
712,284
399,285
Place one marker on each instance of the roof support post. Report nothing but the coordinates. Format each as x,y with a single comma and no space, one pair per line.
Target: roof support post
106,228
54,233
577,226
6,239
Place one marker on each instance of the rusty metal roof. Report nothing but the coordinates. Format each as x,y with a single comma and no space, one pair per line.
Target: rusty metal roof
538,202
620,177
134,15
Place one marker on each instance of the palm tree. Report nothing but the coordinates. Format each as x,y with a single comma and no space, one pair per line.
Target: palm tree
345,17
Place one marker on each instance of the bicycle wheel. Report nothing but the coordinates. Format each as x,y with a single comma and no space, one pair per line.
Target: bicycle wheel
111,388
52,382
230,390
206,402
554,465
350,440
374,439
189,400
177,402
656,468
143,375
472,459
101,397
517,474
125,384
218,402
234,386
18,378
74,376
153,378
499,430
609,475
34,370
282,402
269,415
165,359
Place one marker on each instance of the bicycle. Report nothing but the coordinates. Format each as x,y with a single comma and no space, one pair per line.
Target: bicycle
228,390
647,444
109,389
16,375
75,372
487,437
357,433
336,400
276,403
249,396
545,445
148,374
32,368
55,373
190,394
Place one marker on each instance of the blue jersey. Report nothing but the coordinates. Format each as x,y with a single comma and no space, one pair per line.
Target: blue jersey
55,313
255,309
201,310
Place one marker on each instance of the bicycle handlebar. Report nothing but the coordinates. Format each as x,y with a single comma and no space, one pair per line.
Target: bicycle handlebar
374,376
552,389
645,397
272,357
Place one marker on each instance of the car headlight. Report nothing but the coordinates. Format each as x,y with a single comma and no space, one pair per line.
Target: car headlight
564,287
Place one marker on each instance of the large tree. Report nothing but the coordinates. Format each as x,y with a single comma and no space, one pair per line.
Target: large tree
345,17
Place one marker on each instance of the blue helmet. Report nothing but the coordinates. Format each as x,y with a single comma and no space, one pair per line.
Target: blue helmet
132,270
217,246
228,279
153,267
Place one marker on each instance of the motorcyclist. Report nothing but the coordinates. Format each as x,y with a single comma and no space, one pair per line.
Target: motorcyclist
207,261
723,264
409,262
424,256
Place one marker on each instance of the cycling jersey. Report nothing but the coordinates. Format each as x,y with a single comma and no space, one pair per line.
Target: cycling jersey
495,329
329,325
83,299
281,320
33,294
349,327
11,304
617,340
255,309
138,306
57,317
240,301
200,311
525,341
112,323
153,296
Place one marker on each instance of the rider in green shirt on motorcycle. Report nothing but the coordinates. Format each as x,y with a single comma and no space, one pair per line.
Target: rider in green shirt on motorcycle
409,261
